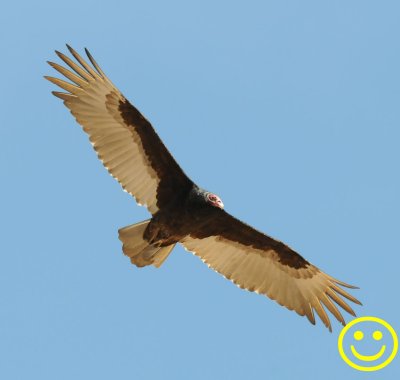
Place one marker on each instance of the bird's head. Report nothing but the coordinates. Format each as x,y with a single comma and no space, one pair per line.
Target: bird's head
214,200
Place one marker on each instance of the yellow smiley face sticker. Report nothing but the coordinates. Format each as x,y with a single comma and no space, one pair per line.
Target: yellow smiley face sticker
368,330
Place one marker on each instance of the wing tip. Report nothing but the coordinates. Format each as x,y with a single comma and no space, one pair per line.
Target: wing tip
63,95
342,283
69,47
59,54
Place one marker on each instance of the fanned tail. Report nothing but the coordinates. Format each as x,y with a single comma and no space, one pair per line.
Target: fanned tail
140,251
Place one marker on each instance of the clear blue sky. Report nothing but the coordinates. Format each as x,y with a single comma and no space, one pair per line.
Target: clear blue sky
289,110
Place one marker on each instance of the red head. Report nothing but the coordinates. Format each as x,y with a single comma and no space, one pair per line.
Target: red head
214,200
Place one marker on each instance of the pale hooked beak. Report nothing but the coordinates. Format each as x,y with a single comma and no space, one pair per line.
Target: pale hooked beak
220,204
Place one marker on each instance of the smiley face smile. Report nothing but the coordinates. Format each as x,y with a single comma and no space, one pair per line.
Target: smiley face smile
368,358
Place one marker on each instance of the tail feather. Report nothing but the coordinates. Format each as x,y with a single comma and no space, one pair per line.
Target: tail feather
162,255
139,250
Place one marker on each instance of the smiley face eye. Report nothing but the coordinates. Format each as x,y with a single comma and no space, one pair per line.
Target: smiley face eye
377,335
358,335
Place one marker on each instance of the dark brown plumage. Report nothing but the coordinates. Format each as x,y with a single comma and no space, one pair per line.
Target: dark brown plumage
182,212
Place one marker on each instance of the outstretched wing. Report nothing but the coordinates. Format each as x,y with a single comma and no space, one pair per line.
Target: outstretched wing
259,263
124,140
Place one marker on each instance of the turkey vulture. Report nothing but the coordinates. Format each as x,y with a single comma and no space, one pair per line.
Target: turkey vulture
182,212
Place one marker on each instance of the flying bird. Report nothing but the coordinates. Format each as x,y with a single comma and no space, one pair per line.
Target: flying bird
183,212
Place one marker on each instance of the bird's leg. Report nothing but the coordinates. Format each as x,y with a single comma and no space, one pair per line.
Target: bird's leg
156,232
152,231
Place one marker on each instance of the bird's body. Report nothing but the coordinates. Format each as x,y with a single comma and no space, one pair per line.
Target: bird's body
175,222
181,211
